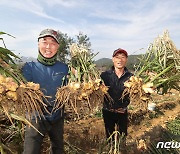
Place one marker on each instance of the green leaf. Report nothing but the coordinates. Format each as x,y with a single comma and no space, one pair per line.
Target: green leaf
23,119
6,54
2,33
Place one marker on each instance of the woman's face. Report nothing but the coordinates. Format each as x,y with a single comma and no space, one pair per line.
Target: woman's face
48,46
119,60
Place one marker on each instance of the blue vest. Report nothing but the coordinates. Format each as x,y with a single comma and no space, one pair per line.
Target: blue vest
50,78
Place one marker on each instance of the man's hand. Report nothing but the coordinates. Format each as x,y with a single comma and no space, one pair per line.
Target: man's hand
74,71
120,110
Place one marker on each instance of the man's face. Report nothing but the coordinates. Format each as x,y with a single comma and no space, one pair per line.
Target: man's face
48,46
119,60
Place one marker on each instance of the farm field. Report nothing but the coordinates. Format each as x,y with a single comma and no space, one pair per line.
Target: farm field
155,80
88,136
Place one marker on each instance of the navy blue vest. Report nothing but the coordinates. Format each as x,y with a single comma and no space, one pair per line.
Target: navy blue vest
50,78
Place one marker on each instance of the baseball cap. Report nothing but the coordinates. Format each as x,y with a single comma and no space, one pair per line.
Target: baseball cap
120,51
50,32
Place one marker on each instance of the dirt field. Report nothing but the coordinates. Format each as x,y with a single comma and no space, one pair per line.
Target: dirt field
87,136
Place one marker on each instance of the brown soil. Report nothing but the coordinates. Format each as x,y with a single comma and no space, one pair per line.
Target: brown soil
88,135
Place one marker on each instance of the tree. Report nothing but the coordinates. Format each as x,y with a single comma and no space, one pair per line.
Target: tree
83,40
63,51
65,41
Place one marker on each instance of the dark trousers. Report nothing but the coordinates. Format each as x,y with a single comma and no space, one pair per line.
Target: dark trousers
33,139
112,119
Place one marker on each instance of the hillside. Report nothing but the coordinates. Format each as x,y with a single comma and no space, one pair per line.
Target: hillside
101,63
25,59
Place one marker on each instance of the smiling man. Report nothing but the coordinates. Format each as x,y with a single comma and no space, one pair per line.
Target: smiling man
116,114
49,73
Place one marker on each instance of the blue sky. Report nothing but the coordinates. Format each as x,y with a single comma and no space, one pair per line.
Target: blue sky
110,24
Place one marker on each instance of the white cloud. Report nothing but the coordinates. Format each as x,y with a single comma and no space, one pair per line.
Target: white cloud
65,3
109,24
30,6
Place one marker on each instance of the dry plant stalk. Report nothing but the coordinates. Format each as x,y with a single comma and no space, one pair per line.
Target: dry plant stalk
138,92
165,50
116,142
161,64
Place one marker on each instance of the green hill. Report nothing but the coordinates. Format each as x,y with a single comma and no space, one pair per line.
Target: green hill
103,62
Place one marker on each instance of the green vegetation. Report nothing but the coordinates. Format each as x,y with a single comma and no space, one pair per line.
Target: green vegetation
171,134
174,126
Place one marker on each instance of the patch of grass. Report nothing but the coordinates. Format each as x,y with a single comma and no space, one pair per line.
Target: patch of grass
130,107
171,134
174,126
98,114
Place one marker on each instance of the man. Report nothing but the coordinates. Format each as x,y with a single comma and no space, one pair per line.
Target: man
49,73
115,114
